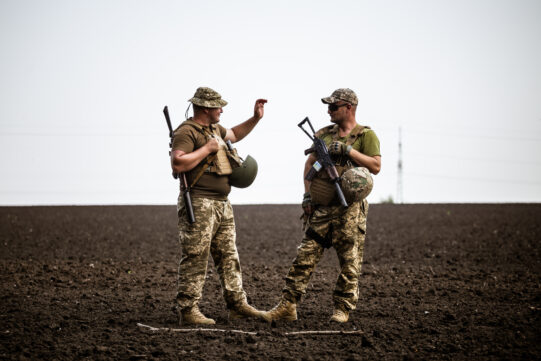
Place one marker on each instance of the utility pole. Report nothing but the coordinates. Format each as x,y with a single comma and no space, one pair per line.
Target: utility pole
399,198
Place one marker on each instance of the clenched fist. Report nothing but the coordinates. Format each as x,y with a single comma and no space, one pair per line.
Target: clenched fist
212,145
307,206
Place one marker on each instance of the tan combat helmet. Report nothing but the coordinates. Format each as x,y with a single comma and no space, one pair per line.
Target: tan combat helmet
356,183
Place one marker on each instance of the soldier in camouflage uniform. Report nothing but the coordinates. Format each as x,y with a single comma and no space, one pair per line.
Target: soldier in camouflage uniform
355,150
214,230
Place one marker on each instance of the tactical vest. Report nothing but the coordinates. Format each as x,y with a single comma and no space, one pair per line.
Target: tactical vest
322,190
225,159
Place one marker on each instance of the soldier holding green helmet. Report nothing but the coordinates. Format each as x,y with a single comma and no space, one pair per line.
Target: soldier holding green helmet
199,150
356,153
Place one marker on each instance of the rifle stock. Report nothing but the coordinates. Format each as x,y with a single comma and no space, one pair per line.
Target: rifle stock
184,187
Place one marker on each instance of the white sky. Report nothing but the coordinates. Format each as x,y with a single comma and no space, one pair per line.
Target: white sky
83,85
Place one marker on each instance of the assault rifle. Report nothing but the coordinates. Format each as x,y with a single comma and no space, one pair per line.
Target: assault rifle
323,161
184,188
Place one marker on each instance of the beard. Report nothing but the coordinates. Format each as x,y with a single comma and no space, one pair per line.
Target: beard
214,119
336,120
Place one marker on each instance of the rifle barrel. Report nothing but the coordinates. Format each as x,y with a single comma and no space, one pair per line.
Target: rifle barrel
168,120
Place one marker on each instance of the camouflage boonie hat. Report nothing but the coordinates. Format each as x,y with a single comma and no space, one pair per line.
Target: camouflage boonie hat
208,98
344,94
356,183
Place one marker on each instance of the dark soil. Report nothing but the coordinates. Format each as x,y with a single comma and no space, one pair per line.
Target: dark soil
449,282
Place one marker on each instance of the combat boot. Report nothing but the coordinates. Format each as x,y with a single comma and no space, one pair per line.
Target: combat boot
340,314
244,310
284,310
192,316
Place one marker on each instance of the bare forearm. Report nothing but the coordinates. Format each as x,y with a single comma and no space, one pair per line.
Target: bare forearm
307,166
242,130
183,162
373,164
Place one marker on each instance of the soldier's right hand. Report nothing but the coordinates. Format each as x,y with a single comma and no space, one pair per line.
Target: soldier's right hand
338,148
212,145
307,206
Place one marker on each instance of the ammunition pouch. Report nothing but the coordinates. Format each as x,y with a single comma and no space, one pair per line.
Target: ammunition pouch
234,159
221,165
322,189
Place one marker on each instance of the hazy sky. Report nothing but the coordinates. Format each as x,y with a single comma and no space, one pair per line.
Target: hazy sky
83,85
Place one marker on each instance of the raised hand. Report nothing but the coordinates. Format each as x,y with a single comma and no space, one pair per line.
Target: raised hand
259,108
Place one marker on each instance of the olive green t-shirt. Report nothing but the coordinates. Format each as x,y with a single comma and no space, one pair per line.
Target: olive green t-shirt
367,143
187,139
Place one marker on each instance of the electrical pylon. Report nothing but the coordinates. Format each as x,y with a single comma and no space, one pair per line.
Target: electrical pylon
399,195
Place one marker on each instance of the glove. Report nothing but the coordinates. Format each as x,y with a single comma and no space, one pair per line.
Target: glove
339,149
307,203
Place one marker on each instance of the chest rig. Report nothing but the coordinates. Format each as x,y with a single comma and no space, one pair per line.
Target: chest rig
322,190
222,162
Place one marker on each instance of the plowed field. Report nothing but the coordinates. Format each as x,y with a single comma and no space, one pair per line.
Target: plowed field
451,282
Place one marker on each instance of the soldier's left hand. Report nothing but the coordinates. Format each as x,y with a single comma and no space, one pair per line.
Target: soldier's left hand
259,108
338,148
307,205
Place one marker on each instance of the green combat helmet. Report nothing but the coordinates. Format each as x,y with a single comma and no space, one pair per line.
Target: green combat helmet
356,184
244,175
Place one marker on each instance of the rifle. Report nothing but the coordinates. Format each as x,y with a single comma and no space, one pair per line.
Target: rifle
323,161
184,188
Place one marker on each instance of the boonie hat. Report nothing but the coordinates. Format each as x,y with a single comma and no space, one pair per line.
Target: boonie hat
344,94
208,98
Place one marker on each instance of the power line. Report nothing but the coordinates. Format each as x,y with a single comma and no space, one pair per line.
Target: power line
492,180
512,161
34,134
479,129
489,137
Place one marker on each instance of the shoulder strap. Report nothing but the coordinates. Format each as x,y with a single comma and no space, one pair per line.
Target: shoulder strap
195,125
333,129
354,134
328,129
216,131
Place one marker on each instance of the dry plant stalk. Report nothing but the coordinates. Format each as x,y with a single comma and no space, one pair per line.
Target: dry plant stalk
318,332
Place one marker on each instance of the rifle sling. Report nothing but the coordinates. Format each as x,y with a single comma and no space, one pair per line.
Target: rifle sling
210,159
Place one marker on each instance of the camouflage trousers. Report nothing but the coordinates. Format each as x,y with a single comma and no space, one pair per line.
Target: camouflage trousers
346,229
214,233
